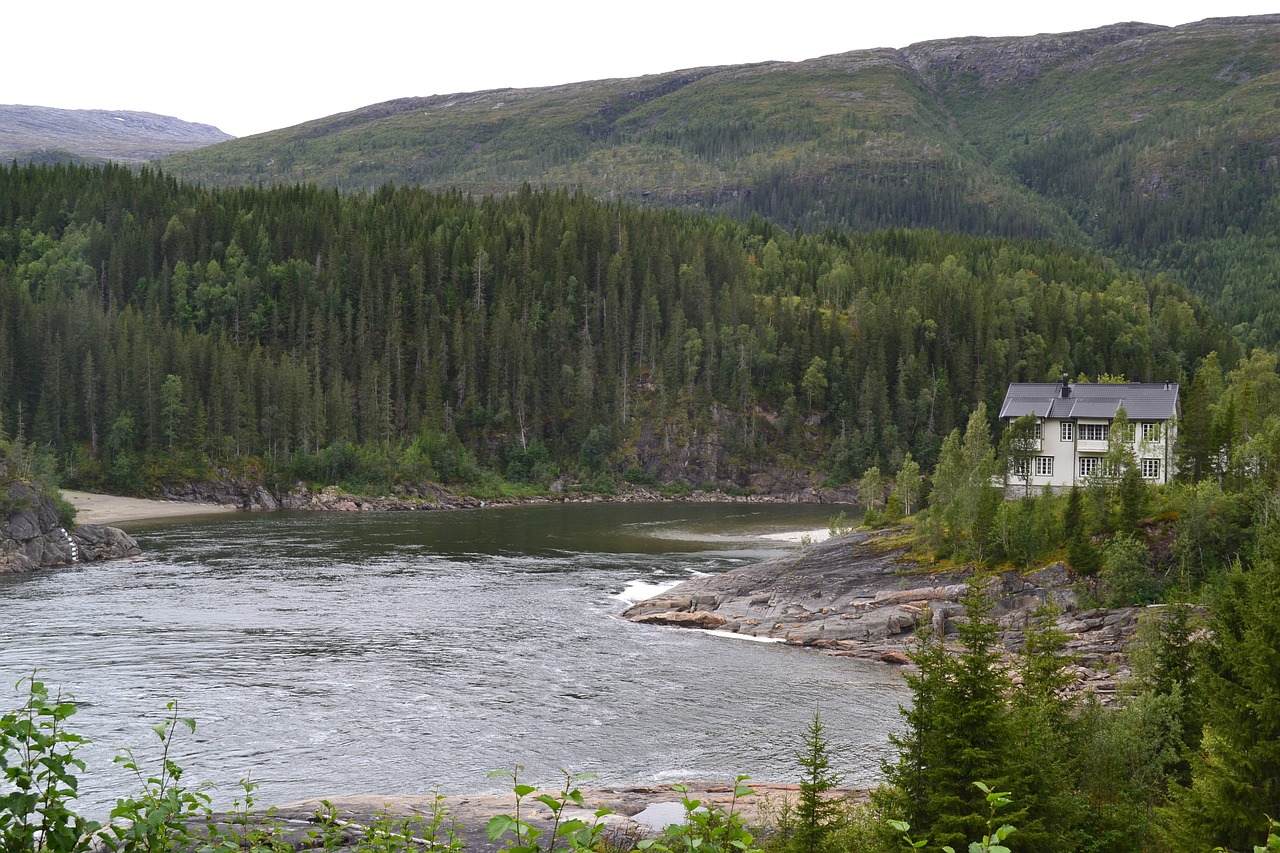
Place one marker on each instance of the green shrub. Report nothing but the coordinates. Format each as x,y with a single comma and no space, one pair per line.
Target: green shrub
1124,577
38,765
706,829
532,465
162,815
570,833
675,490
637,476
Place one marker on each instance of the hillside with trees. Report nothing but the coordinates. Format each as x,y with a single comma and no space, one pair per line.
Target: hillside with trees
404,334
1154,145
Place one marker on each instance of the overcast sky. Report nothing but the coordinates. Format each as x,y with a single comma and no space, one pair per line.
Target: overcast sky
249,66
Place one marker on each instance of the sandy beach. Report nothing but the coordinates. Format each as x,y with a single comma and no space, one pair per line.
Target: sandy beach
93,508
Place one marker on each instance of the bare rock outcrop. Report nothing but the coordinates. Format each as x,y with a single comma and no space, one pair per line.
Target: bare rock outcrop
33,537
224,488
860,596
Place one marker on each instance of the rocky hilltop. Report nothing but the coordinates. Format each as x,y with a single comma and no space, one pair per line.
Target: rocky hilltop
45,134
861,596
33,537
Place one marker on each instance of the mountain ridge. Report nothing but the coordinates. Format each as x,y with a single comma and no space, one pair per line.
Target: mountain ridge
125,136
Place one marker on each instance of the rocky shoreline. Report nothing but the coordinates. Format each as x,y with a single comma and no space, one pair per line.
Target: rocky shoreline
227,489
32,536
861,596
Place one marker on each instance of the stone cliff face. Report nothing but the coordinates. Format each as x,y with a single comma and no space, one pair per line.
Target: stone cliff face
989,64
32,536
857,596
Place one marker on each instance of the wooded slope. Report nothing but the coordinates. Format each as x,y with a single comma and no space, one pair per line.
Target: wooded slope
295,319
1156,145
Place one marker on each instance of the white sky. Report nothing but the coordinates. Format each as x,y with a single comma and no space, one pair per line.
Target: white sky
249,66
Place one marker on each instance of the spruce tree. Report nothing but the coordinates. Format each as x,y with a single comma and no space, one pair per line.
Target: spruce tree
976,707
816,810
1133,498
910,784
1235,782
1073,515
1045,750
957,733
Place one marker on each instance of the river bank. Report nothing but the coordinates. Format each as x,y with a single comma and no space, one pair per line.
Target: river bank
862,596
239,491
199,499
34,534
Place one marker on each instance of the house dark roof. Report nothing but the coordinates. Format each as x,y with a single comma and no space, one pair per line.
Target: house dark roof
1142,401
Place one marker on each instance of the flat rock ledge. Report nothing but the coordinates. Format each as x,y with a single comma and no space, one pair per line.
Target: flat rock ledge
638,812
33,538
859,596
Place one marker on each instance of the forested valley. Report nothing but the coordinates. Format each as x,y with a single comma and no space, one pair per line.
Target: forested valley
153,331
149,328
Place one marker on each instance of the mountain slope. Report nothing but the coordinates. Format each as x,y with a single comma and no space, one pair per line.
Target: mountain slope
1158,145
854,139
45,134
1164,146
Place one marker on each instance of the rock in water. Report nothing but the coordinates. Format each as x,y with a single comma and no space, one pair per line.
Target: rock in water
861,596
98,542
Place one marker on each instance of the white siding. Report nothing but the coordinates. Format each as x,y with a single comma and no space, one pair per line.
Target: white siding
1056,463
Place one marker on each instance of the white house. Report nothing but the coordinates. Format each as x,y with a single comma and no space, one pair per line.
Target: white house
1074,425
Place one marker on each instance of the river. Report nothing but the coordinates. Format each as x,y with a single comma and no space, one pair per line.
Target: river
332,654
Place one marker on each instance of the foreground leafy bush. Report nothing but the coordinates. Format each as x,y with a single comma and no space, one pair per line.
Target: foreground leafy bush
38,765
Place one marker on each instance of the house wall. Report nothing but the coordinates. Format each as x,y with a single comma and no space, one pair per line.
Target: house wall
1065,455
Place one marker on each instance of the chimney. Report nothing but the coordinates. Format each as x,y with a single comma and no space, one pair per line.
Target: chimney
1065,391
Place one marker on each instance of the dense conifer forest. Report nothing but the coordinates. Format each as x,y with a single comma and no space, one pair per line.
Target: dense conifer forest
333,336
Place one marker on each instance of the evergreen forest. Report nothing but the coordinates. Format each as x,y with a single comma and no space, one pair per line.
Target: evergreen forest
149,328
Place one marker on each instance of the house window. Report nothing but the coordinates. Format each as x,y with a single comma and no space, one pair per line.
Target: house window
1089,465
1068,431
1044,466
1021,467
1094,432
1151,469
1150,432
1038,432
